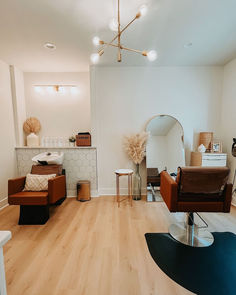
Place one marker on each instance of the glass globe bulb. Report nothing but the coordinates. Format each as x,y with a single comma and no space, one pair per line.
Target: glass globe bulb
50,89
113,24
94,58
96,41
74,90
38,89
152,55
143,10
61,90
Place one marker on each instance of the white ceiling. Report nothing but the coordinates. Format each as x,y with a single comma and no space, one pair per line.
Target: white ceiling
25,25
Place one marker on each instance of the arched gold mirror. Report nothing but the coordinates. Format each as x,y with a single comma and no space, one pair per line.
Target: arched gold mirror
164,151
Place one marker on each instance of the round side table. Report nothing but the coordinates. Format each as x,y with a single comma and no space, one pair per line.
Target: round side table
119,173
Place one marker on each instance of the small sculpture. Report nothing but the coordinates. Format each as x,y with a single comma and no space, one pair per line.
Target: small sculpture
72,140
201,148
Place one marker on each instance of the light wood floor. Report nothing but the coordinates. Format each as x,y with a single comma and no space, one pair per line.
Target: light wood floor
92,248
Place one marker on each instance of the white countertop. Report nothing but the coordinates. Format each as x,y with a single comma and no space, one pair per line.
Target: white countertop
57,148
4,237
214,154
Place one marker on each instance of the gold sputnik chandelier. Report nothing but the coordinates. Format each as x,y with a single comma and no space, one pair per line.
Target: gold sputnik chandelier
116,26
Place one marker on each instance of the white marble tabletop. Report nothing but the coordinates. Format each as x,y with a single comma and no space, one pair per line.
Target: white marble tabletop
124,171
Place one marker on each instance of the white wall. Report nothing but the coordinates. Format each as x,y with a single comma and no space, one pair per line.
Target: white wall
125,98
7,133
228,116
18,99
59,114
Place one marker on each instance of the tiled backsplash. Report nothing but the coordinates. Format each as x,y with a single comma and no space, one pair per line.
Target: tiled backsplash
79,163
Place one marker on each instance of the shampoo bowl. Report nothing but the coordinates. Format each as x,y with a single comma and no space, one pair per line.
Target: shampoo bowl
49,158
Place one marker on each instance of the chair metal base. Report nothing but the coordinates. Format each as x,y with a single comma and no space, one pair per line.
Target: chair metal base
33,214
153,195
191,235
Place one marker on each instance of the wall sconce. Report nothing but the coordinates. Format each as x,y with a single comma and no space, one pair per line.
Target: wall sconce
52,89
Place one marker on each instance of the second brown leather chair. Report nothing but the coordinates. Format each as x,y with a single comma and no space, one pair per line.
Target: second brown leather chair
196,189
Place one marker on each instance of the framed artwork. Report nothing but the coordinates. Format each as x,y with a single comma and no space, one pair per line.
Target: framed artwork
216,147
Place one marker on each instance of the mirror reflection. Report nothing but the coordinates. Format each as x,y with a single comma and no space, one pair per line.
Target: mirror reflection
164,151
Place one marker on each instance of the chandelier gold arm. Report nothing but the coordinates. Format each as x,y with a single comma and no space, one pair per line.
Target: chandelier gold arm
101,51
144,52
107,44
151,55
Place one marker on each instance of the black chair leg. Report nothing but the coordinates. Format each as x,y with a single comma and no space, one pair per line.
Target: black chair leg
60,201
33,214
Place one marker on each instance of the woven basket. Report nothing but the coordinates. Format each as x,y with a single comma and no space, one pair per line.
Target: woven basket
206,139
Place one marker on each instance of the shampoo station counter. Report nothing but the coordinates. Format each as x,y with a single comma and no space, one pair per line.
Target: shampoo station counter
80,163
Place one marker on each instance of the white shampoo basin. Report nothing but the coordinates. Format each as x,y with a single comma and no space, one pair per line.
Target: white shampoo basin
49,158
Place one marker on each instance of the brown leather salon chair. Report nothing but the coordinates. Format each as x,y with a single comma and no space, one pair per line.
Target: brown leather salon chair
34,206
196,189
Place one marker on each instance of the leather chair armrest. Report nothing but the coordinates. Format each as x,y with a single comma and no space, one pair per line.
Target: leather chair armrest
168,191
228,197
16,185
56,188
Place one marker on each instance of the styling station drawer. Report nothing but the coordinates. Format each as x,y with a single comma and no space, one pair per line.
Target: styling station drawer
208,159
214,162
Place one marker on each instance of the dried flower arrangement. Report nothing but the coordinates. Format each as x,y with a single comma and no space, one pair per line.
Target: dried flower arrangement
32,125
135,146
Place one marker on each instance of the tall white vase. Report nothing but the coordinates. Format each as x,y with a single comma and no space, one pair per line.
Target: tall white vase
32,140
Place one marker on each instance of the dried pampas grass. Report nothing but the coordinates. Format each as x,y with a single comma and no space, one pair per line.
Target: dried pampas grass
135,146
32,125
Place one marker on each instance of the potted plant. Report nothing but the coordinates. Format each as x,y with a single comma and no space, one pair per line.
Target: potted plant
135,146
72,141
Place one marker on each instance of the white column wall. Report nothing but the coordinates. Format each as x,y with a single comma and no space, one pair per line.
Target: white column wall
7,133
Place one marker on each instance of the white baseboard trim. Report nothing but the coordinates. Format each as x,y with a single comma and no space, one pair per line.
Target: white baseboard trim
112,191
1,208
3,203
94,194
72,194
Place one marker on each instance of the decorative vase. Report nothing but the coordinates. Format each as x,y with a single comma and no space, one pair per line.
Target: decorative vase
71,143
32,140
206,139
202,148
137,181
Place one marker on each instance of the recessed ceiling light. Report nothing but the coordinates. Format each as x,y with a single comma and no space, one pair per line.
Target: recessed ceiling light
50,46
188,45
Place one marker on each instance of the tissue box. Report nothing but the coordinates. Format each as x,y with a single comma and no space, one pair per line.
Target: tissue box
83,139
